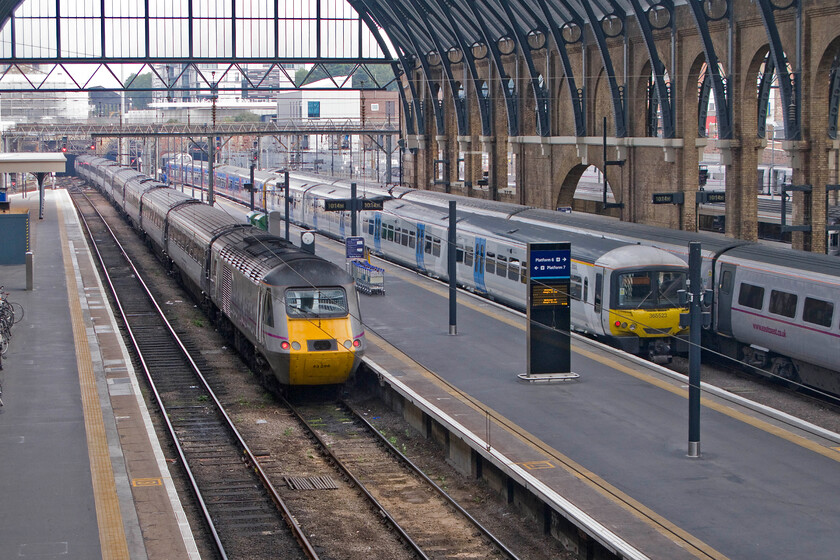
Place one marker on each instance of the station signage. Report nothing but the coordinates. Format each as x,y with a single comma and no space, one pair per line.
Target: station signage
336,205
711,197
669,198
344,205
549,314
354,247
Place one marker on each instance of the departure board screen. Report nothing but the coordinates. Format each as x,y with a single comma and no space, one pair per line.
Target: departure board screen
542,295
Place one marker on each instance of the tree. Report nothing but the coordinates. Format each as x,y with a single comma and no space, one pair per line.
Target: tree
139,99
382,75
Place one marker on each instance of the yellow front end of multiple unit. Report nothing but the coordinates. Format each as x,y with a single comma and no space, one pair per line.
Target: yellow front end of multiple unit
646,323
322,351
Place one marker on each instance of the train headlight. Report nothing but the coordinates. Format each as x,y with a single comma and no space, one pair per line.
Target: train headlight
285,345
348,344
295,345
623,325
633,327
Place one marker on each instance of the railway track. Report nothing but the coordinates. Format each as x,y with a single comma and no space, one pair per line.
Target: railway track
241,508
431,523
238,483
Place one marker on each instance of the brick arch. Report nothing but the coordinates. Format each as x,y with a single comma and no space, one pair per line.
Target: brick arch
817,125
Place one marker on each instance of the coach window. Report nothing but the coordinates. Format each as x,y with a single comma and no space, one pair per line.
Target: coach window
436,246
726,282
513,270
490,263
818,312
468,257
411,237
524,277
459,254
501,267
575,287
427,248
369,226
782,303
751,296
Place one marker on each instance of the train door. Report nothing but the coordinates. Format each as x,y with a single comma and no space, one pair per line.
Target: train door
377,232
726,287
263,308
420,247
342,220
478,264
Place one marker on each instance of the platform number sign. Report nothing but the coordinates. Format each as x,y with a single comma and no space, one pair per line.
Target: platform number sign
549,316
354,247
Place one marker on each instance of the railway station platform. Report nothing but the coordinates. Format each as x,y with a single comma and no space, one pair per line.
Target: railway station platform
609,449
82,474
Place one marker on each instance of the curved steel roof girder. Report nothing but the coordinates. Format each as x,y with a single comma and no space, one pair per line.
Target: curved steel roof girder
722,100
508,91
617,92
459,104
658,68
541,91
789,83
484,106
577,97
402,20
414,120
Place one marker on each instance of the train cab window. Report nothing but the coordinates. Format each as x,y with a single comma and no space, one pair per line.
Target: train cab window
501,267
575,287
751,296
268,311
783,303
308,303
726,282
490,263
818,312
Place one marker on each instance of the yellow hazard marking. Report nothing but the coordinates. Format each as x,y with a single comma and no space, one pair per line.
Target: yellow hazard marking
537,465
109,519
140,482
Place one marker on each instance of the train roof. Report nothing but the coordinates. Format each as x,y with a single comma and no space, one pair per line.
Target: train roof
265,257
585,247
489,207
167,197
801,261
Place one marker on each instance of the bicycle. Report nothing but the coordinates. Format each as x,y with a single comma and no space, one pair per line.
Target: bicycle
10,311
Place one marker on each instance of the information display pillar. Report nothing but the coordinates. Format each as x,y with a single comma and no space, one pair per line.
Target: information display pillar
549,313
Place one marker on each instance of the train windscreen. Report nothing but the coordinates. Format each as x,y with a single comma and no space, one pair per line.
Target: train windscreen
308,303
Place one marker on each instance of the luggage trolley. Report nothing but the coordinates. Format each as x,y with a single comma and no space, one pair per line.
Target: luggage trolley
369,279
